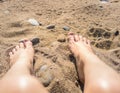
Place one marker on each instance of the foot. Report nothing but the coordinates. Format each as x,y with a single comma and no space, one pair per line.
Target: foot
22,53
80,48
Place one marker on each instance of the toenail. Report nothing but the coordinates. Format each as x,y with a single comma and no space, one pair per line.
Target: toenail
17,47
76,37
21,44
10,53
84,38
14,50
80,36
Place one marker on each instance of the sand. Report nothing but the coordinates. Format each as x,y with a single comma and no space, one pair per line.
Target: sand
54,67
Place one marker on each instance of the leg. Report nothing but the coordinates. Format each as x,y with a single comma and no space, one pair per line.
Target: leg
94,73
19,79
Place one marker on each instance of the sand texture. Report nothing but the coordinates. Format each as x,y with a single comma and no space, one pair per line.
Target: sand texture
54,67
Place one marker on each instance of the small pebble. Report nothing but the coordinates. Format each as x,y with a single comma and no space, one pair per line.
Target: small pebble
45,75
35,41
61,38
1,1
101,6
43,68
46,78
51,27
34,22
6,12
104,1
66,28
116,33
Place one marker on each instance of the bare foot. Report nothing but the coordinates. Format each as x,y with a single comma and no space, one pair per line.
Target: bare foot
80,47
23,52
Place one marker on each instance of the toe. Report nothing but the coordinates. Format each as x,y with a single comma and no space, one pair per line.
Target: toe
80,37
88,43
71,37
14,50
17,47
10,53
76,37
28,43
21,45
85,40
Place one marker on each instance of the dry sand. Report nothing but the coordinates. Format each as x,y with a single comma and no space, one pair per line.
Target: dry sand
54,67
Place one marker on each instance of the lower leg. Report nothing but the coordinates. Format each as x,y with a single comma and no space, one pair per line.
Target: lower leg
94,73
100,76
19,79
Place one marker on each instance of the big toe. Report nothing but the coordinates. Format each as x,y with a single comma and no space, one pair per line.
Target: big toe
21,45
76,37
28,44
71,37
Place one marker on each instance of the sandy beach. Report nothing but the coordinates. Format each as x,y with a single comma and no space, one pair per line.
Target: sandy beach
94,19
